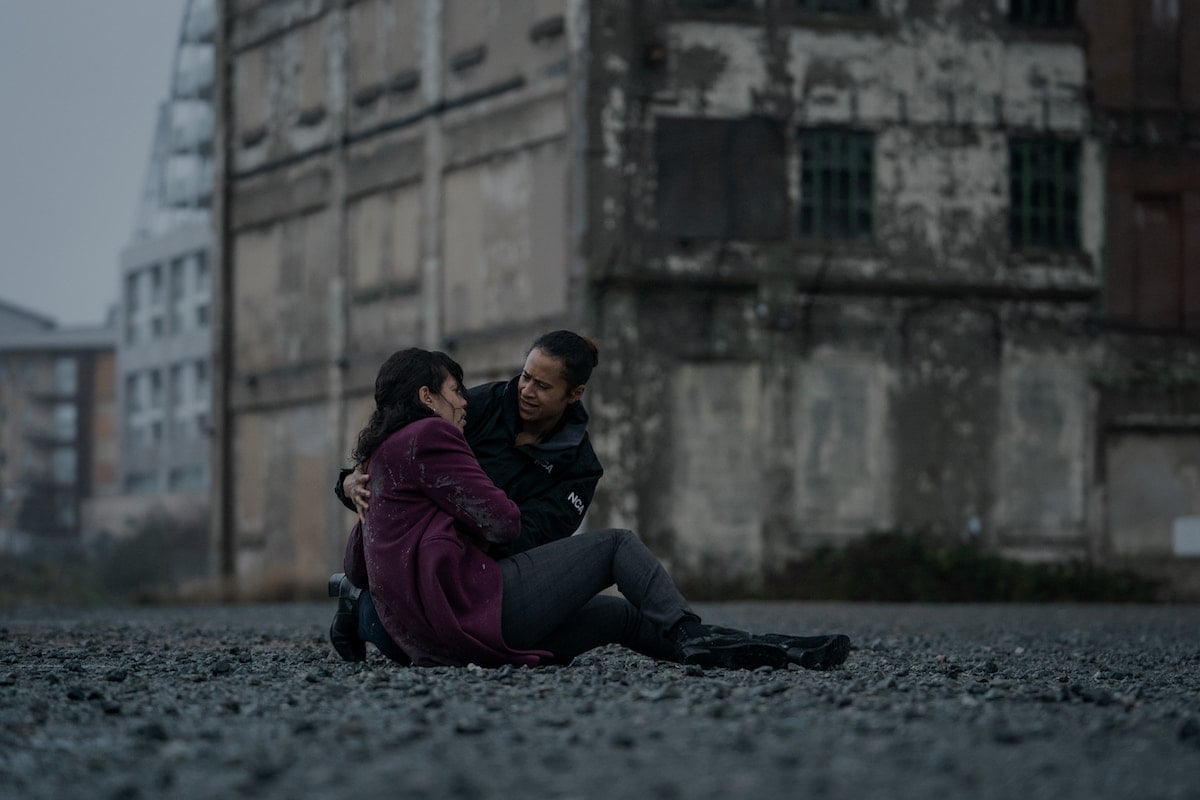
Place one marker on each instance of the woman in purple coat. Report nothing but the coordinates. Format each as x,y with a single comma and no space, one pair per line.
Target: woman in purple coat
443,600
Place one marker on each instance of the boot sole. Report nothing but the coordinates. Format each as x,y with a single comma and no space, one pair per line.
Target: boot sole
744,655
829,655
795,642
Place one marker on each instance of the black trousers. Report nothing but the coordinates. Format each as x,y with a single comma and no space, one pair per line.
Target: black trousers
552,597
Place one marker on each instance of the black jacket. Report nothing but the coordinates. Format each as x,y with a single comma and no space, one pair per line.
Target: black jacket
552,482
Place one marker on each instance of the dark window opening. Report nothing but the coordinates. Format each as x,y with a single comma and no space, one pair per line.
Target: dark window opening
1156,55
721,178
835,6
1042,13
837,183
717,4
1043,193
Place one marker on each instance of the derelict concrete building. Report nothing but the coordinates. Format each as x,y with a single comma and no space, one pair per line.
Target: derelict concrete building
164,336
58,431
845,260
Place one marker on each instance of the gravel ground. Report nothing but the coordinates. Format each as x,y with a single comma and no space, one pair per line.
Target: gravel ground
250,701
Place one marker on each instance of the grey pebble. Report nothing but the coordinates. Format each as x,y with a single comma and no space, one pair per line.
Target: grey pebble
941,705
471,725
1189,731
152,730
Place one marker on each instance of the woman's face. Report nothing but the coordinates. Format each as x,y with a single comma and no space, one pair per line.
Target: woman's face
542,393
450,402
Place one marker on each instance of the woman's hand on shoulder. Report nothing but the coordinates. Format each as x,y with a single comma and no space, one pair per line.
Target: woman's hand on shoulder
355,487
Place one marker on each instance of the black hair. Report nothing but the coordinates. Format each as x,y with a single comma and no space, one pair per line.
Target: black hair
578,354
397,394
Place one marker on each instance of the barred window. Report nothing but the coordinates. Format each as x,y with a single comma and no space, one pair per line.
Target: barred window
1043,193
721,4
1042,13
835,6
837,183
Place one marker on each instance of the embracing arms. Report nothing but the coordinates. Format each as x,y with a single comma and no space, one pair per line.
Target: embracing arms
553,514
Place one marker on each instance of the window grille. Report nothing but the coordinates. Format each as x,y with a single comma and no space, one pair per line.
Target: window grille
837,183
835,6
1044,193
717,4
1042,13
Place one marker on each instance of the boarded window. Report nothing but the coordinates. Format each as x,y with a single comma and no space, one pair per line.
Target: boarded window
1157,54
1044,193
837,183
1042,13
721,178
1151,285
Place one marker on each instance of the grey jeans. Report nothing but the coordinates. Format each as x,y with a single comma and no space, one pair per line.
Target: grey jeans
552,597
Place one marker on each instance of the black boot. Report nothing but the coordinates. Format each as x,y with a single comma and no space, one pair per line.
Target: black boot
709,646
343,631
813,652
810,652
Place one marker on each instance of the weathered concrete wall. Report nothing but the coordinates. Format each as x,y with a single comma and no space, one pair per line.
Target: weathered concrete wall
466,175
281,463
395,173
764,396
504,248
1153,480
1045,476
711,512
1148,388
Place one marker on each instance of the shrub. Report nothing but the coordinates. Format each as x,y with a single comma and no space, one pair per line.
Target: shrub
157,555
906,567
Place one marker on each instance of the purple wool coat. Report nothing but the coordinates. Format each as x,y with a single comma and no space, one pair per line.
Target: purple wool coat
420,553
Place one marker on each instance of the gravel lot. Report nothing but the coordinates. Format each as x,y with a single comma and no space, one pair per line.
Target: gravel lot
951,701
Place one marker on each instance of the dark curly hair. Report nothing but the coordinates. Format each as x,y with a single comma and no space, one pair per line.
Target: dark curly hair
578,354
397,388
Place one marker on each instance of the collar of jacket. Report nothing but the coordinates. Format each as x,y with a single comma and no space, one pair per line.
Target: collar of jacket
571,430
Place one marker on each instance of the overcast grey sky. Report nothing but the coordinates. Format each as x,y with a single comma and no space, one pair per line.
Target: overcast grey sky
80,83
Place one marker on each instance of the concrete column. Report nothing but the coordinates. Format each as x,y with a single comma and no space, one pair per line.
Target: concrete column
339,310
432,182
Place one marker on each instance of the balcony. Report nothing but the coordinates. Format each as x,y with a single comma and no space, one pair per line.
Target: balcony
47,437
